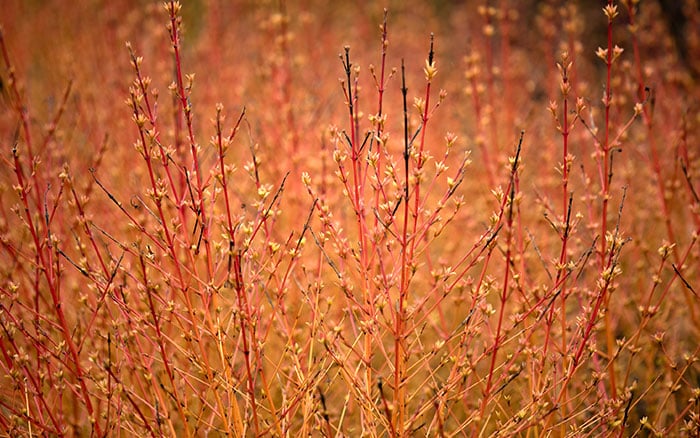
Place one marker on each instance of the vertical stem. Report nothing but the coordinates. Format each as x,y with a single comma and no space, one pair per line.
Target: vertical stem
606,177
567,199
506,277
247,330
399,371
358,200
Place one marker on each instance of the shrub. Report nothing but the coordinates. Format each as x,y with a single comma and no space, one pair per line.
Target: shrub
502,245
